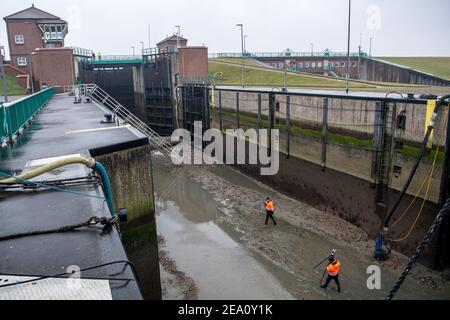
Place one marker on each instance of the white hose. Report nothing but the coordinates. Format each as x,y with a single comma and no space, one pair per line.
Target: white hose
89,162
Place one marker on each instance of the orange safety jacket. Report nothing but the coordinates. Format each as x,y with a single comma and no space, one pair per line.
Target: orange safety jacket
269,205
334,268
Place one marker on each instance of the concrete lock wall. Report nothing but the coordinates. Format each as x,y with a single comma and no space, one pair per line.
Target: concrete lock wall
347,186
130,172
374,70
131,180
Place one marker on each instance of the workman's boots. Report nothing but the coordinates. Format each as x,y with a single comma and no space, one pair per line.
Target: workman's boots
324,287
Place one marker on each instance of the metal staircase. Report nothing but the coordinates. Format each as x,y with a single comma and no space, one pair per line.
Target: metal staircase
101,97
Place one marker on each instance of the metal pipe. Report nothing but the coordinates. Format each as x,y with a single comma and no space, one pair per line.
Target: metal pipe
419,159
2,74
242,52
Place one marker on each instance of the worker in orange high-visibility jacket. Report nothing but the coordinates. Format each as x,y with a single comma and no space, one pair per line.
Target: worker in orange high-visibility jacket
270,210
333,269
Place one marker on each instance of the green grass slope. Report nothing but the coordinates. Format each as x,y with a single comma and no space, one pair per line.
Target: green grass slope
12,87
438,66
254,76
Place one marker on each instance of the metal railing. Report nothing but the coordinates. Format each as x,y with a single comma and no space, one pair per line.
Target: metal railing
117,58
15,116
101,97
284,54
195,80
81,52
150,51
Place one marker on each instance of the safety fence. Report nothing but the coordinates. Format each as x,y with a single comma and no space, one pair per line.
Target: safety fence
375,139
15,116
285,54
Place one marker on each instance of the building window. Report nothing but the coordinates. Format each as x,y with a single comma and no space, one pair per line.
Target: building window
306,64
49,45
343,64
300,65
337,65
22,61
319,64
20,39
281,65
313,65
354,64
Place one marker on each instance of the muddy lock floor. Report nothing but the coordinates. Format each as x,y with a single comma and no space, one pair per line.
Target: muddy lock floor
214,244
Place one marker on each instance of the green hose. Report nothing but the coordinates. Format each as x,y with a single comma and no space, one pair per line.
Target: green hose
106,186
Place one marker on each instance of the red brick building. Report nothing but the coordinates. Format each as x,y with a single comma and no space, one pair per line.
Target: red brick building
193,64
169,44
30,29
53,67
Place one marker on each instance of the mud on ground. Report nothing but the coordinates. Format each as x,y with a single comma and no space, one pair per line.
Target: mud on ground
181,286
243,209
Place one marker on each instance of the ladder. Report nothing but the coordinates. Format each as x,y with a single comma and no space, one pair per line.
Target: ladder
101,97
386,155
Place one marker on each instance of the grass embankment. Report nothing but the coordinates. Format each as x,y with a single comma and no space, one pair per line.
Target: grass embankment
257,76
409,151
437,66
12,87
247,62
267,77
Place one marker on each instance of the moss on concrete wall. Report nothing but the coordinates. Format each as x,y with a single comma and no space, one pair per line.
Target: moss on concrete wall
131,180
131,177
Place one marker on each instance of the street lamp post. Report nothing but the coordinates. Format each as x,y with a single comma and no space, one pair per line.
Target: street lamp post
370,48
312,49
178,36
242,58
134,51
245,43
348,44
2,74
359,55
143,46
30,63
285,75
149,37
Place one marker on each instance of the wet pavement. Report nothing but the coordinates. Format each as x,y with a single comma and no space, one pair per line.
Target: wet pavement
212,225
55,132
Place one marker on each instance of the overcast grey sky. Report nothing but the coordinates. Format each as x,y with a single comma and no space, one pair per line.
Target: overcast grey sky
399,27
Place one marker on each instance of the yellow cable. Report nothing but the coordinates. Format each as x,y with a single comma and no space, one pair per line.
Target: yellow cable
413,200
426,193
422,206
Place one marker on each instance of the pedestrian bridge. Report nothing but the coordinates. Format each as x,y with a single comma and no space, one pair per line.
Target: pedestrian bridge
105,61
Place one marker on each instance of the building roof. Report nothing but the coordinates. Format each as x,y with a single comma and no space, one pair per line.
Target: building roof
32,13
53,21
172,38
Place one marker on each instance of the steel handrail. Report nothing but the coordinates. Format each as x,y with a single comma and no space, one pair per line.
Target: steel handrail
100,96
